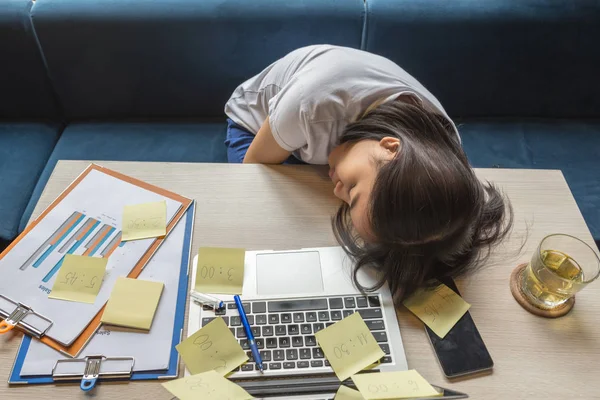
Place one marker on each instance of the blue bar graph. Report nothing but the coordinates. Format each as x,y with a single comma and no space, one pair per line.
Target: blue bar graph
50,249
53,241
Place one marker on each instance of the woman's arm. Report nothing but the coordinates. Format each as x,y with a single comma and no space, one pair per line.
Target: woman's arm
264,149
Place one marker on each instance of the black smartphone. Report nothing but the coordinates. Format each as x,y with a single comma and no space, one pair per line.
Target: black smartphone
461,351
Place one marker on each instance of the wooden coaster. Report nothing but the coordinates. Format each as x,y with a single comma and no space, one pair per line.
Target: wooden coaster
515,289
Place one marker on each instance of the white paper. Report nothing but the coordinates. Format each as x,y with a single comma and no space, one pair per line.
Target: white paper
100,197
152,351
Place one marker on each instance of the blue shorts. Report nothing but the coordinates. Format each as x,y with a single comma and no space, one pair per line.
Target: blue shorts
238,140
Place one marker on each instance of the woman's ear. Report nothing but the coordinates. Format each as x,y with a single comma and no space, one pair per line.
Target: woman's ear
390,144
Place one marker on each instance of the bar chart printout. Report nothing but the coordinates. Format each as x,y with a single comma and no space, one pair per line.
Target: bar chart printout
84,220
76,231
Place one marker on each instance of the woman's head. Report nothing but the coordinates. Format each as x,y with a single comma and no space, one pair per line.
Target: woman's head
413,207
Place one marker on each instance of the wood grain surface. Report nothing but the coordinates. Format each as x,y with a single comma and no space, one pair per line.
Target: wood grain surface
288,207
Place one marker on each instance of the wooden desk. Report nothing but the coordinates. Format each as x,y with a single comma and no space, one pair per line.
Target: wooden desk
260,207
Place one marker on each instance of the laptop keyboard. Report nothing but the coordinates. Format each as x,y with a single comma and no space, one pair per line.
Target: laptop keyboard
284,330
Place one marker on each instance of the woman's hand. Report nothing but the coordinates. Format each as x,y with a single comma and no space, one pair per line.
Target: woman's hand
264,149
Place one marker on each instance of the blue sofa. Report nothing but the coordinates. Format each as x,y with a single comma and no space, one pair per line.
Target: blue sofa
148,79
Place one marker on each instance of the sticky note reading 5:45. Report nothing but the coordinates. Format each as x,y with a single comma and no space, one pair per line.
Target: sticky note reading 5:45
349,346
79,279
220,270
439,308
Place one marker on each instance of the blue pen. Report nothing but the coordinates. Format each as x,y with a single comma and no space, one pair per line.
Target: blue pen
255,353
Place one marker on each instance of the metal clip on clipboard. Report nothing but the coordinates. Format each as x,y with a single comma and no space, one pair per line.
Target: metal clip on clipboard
92,368
18,314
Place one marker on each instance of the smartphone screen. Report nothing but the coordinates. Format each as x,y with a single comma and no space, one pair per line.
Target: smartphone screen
462,350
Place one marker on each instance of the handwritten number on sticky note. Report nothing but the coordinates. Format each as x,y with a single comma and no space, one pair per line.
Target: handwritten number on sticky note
415,385
349,346
220,270
196,384
340,350
72,277
343,349
79,278
383,388
432,311
393,385
144,223
146,220
202,342
208,272
207,386
93,282
212,348
378,388
438,308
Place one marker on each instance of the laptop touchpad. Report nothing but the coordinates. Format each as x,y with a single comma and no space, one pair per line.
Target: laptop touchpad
289,273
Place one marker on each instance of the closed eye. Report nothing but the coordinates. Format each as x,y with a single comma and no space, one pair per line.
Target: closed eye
350,189
354,201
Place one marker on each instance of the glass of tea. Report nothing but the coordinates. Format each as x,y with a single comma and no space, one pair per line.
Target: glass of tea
561,266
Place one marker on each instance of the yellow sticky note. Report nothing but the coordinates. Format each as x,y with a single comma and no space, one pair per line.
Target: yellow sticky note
206,386
212,348
220,270
142,221
345,393
439,308
132,303
349,346
393,385
79,279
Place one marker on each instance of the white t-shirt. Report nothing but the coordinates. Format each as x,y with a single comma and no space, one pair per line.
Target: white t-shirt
311,94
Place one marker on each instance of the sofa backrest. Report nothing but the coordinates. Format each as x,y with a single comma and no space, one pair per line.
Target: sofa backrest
25,91
501,58
176,58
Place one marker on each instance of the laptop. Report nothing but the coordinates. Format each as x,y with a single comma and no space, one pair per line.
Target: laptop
289,296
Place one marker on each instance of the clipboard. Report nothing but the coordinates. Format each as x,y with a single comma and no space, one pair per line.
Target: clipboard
88,370
78,232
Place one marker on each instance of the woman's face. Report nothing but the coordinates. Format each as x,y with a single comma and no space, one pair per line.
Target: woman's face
353,168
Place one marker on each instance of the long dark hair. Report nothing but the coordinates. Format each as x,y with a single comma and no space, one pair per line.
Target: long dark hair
431,216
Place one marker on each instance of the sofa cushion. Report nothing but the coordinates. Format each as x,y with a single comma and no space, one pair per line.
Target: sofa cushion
24,87
573,147
24,150
527,58
176,58
174,142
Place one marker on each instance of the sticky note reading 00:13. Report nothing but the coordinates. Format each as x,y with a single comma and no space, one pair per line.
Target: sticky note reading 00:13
349,346
79,279
220,270
393,385
143,221
439,308
206,386
212,348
